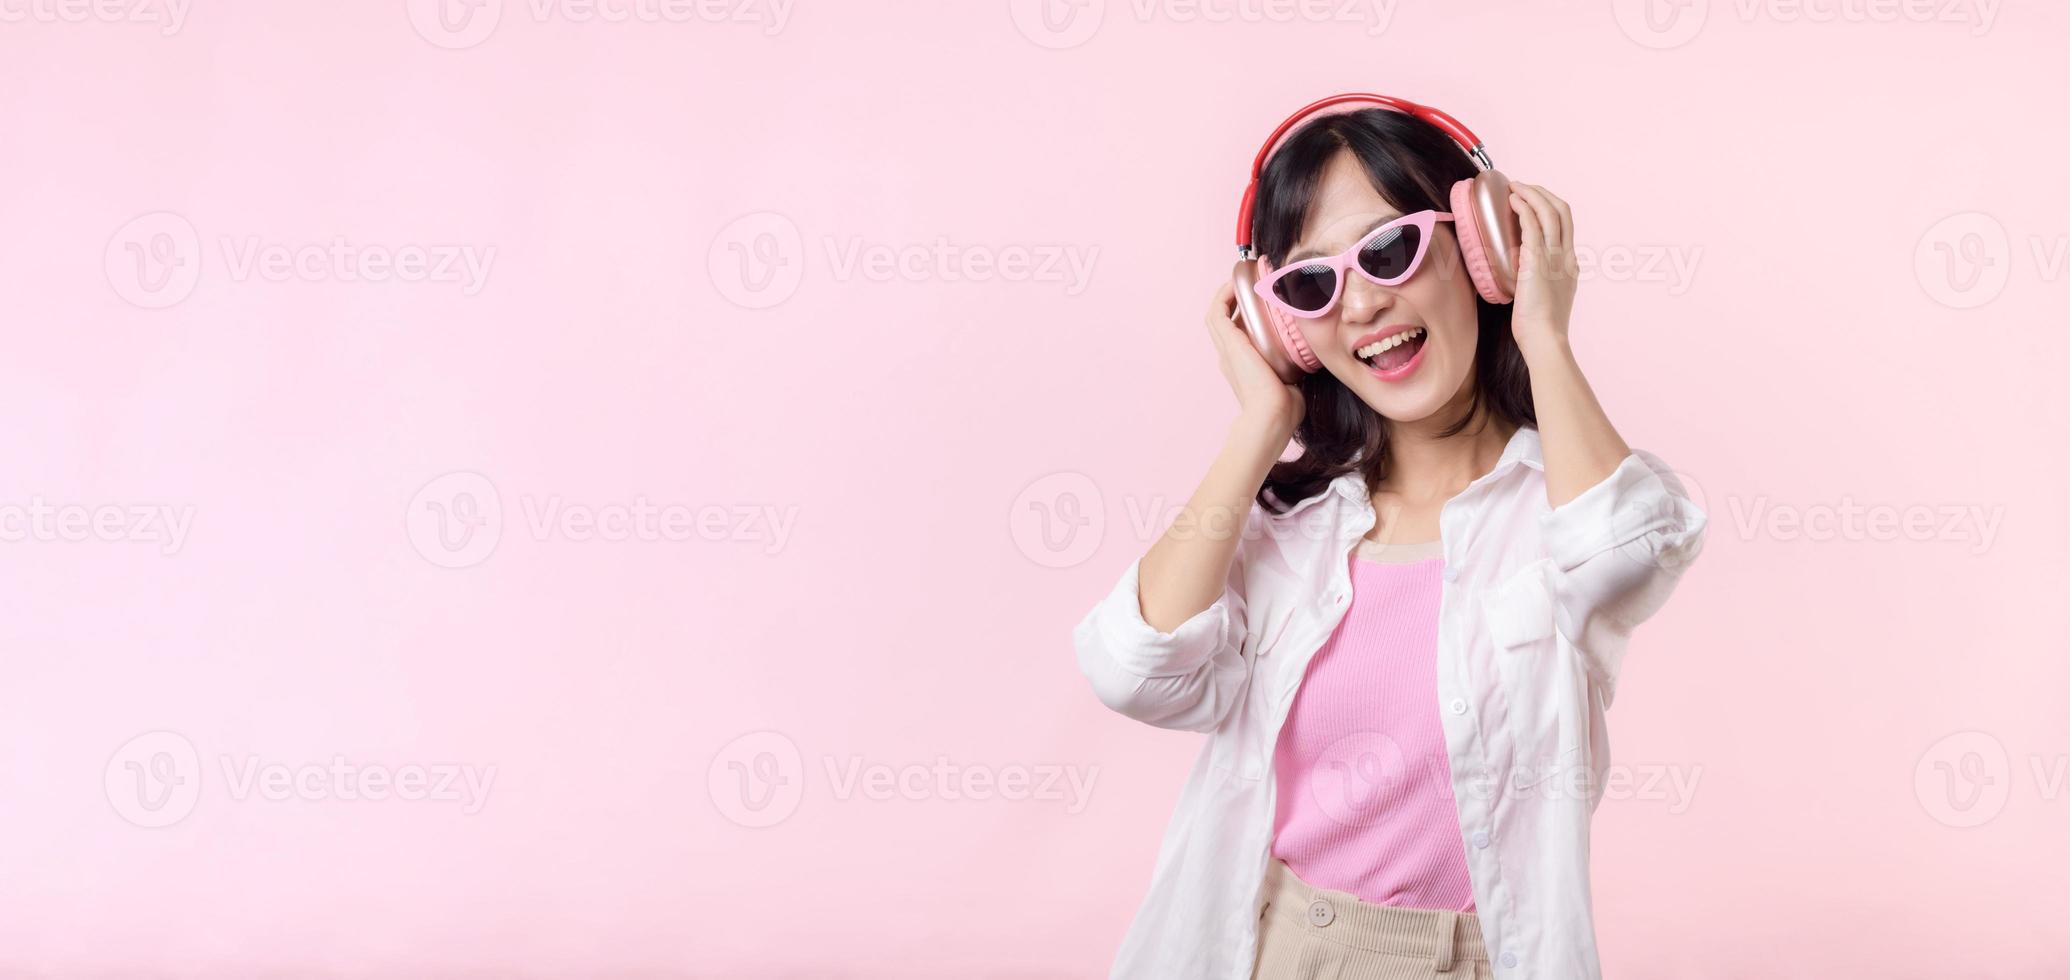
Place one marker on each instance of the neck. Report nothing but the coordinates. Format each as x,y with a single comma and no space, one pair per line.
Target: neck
1424,464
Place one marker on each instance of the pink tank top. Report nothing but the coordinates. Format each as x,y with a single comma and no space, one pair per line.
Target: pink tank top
1364,783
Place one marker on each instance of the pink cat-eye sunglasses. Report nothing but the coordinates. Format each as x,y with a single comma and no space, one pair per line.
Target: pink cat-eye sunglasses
1387,255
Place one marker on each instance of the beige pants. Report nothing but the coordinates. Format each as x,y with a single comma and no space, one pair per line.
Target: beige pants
1310,933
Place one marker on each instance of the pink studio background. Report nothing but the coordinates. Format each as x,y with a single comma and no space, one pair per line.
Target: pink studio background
1868,321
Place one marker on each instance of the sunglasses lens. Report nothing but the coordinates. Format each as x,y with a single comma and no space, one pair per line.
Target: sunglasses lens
1307,288
1391,256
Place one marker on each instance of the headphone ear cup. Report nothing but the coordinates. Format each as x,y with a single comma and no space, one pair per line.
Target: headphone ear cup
1489,235
1275,334
1295,344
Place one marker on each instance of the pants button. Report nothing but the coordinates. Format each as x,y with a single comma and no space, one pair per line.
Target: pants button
1320,913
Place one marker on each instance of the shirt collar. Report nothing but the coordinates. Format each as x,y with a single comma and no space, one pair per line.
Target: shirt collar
1523,448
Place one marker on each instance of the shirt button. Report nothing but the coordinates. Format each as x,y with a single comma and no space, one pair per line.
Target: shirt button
1480,839
1458,706
1320,913
1451,573
1509,959
1340,598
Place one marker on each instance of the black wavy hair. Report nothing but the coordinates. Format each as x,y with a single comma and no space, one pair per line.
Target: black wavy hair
1413,164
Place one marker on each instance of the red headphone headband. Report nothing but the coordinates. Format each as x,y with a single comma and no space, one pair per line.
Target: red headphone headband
1452,127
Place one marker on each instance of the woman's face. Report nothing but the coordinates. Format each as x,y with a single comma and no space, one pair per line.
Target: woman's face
1420,376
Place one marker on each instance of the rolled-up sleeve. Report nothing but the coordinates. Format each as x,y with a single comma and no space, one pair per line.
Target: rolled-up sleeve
1185,679
1618,550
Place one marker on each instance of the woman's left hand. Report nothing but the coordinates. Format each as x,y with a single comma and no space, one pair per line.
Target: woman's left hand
1547,271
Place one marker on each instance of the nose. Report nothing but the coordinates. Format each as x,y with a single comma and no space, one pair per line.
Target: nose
1364,299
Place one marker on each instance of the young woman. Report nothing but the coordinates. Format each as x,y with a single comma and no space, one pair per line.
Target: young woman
1403,640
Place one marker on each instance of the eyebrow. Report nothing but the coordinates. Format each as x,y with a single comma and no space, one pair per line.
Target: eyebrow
1309,253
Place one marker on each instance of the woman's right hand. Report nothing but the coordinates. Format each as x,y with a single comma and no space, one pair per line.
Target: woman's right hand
1260,394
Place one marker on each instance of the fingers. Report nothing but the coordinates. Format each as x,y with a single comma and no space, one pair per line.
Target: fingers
1219,324
1548,225
1566,215
1550,220
1222,305
1533,234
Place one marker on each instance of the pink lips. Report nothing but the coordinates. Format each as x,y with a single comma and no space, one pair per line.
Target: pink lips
1408,367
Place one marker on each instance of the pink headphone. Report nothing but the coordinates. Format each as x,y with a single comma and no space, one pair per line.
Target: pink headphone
1485,225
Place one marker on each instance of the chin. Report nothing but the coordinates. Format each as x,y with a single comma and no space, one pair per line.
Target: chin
1401,406
1412,399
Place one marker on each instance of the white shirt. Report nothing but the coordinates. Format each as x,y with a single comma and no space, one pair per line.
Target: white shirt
1538,605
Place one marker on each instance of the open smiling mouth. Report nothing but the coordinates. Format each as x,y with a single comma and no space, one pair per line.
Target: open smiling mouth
1392,353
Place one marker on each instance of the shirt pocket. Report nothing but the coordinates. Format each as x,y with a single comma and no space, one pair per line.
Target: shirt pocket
1540,682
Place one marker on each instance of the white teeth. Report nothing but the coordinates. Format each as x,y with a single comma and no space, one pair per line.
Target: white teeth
1372,350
